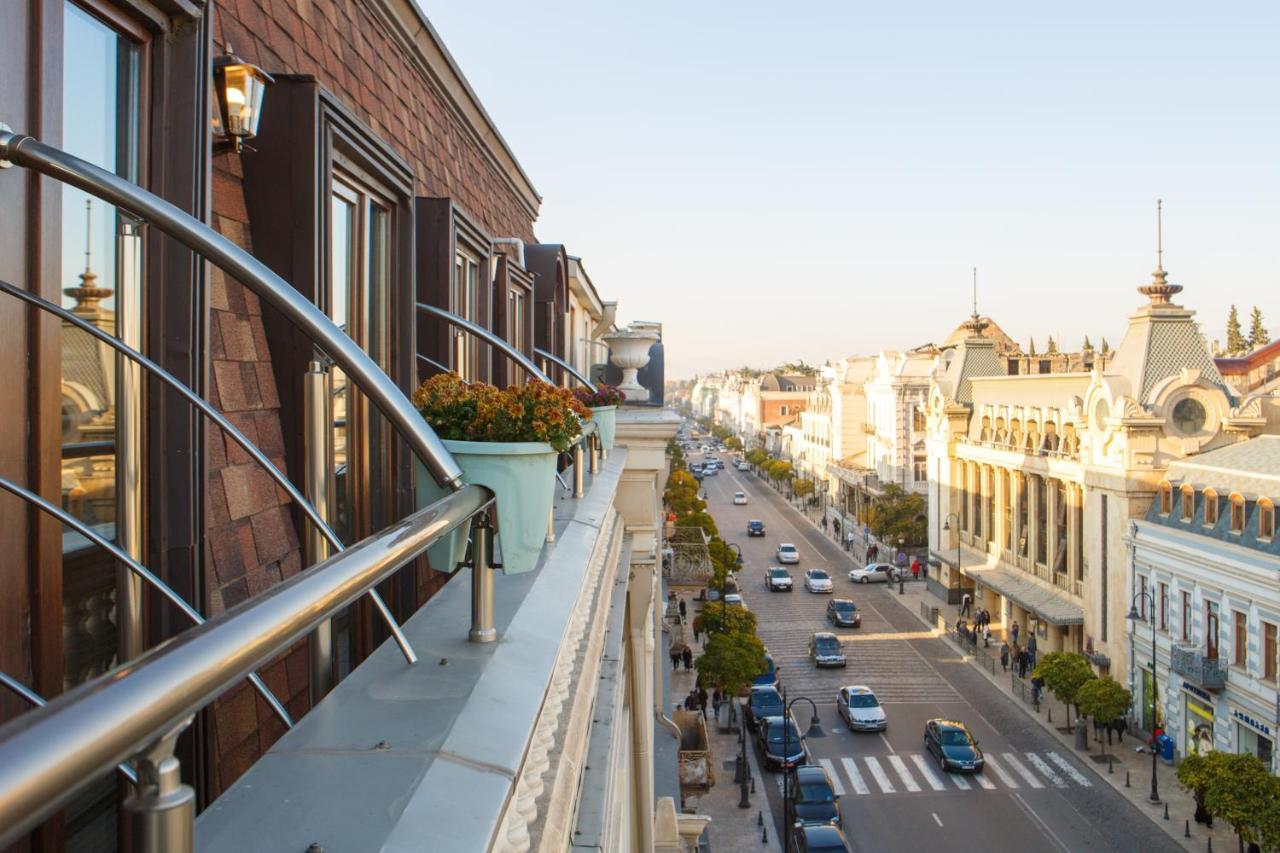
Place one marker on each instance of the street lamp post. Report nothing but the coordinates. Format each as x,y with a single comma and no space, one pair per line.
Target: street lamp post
815,731
946,525
1135,618
901,560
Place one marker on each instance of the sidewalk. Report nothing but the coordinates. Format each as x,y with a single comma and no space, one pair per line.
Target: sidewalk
1122,762
732,828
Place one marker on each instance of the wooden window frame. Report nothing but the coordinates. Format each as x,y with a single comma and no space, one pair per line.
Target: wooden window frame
1240,639
1187,498
1266,519
1237,509
1210,508
442,229
1269,644
1166,499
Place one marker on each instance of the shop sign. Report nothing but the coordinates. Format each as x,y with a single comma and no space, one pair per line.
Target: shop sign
1196,691
1250,721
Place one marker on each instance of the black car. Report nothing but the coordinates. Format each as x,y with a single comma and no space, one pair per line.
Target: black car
779,743
843,613
764,702
950,742
811,798
819,839
755,527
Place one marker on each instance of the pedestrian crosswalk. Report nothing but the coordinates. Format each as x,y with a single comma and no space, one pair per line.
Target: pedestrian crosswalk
918,772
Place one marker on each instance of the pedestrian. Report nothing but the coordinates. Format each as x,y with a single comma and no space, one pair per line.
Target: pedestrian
687,657
716,700
966,604
986,636
1004,657
675,657
848,541
1031,649
691,701
683,610
1013,633
915,569
1024,661
702,702
924,571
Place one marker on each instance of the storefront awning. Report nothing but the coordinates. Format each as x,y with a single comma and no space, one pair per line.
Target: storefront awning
1053,607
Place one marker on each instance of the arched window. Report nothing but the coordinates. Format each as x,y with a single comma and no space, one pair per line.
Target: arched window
1210,508
1188,503
1166,498
1237,513
1266,519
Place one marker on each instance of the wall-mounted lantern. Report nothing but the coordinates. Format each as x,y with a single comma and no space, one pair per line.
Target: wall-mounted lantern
239,86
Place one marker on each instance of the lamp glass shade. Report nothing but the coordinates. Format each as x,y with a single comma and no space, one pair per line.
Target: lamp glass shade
240,87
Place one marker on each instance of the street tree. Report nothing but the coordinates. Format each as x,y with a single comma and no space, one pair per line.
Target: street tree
1103,699
757,457
898,514
1064,673
725,620
733,443
1239,793
779,470
730,661
1196,773
1258,335
802,488
1236,342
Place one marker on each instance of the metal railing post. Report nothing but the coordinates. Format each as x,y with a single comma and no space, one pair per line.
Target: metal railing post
595,454
579,460
482,625
128,402
315,395
551,524
162,813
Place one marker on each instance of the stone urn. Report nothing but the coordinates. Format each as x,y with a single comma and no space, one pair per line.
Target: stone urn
629,351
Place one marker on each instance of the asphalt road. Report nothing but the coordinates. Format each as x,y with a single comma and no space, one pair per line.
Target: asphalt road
1033,796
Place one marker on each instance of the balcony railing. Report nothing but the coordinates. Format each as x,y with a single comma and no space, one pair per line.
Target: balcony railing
1192,662
1019,448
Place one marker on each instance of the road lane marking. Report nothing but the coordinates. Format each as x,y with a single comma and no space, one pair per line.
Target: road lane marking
1046,770
960,782
937,819
882,778
1039,821
1001,772
901,767
927,772
836,785
892,751
1021,770
855,778
983,782
1076,775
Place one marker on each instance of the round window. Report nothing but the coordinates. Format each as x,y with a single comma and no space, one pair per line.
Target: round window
1189,416
1100,412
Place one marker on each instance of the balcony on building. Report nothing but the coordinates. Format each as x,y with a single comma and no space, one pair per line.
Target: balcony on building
1198,666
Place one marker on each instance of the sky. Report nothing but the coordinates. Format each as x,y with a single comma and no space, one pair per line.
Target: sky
816,180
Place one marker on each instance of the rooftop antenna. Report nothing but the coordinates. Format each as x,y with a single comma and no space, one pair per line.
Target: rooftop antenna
975,291
1160,291
1160,233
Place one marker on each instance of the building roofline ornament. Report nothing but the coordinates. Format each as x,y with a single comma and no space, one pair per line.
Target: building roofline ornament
1160,291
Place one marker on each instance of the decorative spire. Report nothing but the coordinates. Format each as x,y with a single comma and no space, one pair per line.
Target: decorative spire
87,295
1160,291
975,325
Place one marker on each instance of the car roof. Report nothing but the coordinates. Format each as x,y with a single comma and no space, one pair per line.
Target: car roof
824,571
779,569
872,566
840,602
755,521
765,687
858,689
785,545
817,634
948,724
805,770
822,832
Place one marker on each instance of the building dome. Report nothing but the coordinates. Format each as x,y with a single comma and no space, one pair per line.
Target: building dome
988,329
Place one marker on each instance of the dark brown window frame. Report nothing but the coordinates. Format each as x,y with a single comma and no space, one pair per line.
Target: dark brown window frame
509,277
442,228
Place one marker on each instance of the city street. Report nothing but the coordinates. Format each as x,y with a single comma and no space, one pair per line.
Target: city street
1034,795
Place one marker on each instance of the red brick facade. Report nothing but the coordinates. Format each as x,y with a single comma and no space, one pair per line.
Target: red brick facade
771,406
251,543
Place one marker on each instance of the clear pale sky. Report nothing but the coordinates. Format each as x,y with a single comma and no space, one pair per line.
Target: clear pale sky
812,180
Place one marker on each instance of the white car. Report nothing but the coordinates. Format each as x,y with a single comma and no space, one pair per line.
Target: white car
860,709
777,578
744,466
733,599
874,573
817,580
740,498
788,553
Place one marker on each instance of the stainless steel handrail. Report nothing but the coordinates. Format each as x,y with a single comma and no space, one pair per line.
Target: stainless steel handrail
431,362
488,337
50,754
39,701
364,371
229,428
566,367
141,571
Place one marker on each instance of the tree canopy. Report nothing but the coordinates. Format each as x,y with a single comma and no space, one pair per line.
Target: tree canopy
1064,673
1258,335
724,620
733,443
730,661
779,469
757,457
1236,342
802,487
1103,699
898,514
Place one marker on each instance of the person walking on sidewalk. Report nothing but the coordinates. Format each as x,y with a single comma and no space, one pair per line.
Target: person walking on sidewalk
915,569
1031,650
986,636
966,604
687,657
675,657
683,610
1004,657
1013,633
702,701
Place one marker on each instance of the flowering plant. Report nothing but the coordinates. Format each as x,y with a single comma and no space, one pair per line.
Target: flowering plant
604,395
480,412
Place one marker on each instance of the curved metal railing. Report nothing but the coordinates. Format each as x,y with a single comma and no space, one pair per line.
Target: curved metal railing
51,753
200,238
566,367
488,337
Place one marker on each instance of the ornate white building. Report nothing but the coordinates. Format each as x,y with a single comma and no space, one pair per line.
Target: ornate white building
897,400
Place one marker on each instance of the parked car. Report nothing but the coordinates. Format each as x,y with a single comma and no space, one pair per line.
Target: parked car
740,498
817,580
780,744
778,579
811,797
744,465
755,527
843,613
874,573
860,709
953,746
768,678
763,702
788,553
733,599
709,471
825,650
695,467
819,839
705,449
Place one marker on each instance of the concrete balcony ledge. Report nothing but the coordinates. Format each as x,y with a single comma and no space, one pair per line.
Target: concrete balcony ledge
439,756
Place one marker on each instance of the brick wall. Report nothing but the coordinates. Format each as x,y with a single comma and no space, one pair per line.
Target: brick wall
251,543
